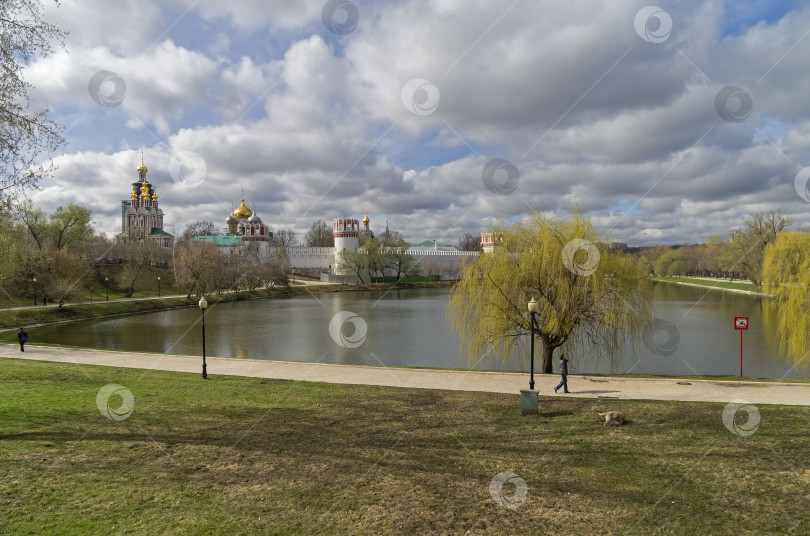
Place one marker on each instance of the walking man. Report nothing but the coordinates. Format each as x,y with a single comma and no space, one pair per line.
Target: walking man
563,373
23,338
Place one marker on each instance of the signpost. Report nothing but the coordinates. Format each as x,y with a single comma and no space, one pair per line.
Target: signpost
741,323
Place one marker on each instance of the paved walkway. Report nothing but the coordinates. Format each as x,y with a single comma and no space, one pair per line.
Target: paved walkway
493,382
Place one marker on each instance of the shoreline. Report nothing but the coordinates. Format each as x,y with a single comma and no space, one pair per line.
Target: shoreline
36,316
713,287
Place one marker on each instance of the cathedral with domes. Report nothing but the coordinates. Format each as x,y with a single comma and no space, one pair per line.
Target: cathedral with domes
141,218
246,224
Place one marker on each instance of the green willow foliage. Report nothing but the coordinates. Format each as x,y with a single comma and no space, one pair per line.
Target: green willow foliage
786,273
588,294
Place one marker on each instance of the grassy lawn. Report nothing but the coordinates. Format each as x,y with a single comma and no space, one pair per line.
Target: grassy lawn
240,455
717,283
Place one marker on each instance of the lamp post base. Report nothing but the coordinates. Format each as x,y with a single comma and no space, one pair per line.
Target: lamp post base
529,402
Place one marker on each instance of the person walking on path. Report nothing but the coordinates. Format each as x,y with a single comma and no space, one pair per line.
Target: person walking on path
563,373
23,338
44,300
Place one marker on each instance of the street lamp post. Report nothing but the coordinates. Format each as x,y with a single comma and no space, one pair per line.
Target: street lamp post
203,304
534,308
107,287
158,286
35,291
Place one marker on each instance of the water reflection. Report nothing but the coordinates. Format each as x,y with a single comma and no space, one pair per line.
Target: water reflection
409,328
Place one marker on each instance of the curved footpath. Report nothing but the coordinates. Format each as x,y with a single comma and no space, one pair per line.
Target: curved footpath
582,386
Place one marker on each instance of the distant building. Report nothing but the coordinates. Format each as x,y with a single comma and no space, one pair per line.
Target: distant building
141,218
246,231
488,241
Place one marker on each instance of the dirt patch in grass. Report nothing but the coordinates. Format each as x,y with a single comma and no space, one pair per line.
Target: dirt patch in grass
240,455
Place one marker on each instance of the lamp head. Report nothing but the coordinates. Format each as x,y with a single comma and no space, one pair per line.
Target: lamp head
35,280
203,303
534,307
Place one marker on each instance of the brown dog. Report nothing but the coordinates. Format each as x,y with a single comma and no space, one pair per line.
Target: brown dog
613,418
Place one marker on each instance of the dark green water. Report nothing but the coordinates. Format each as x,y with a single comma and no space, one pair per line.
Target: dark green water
695,333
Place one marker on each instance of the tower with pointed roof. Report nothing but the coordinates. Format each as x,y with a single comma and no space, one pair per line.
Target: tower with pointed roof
365,232
141,218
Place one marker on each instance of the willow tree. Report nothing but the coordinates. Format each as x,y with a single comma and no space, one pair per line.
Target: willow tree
587,293
786,273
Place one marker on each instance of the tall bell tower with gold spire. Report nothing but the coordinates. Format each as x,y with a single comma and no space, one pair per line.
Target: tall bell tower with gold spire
141,218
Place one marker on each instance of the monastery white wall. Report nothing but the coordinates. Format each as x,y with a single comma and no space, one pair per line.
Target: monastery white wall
306,257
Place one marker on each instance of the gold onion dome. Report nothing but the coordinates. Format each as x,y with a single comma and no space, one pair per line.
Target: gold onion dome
134,195
142,168
144,189
242,211
366,220
154,196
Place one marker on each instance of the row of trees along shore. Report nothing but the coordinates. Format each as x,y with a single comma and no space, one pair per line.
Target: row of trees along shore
61,256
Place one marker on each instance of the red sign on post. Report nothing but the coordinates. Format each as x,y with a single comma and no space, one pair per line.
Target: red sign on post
741,323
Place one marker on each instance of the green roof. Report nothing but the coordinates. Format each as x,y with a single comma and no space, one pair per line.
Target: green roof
160,232
222,241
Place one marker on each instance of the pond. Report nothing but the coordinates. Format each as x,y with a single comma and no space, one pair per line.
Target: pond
693,333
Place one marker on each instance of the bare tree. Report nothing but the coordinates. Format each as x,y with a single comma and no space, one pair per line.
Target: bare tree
284,238
29,136
36,221
197,267
430,267
200,228
352,261
139,255
399,261
320,235
468,242
748,244
67,274
71,225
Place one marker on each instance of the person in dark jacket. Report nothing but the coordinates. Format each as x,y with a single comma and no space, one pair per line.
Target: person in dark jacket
23,338
563,373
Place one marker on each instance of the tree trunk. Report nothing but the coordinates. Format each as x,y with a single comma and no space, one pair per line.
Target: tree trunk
545,367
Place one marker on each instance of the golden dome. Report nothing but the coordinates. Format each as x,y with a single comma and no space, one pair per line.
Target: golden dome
366,220
242,211
144,189
142,168
154,196
134,195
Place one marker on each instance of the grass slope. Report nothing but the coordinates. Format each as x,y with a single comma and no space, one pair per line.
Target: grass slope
250,456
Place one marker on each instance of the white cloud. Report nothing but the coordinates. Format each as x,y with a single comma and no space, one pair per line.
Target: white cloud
593,116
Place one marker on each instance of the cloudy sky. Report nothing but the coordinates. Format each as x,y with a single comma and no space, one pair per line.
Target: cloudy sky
666,123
